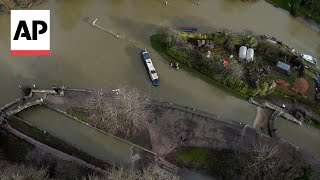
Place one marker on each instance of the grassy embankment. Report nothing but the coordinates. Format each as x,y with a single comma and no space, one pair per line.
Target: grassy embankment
160,48
142,139
230,164
54,142
13,148
205,160
300,8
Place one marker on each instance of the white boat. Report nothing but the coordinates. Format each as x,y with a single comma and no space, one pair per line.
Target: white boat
150,68
309,59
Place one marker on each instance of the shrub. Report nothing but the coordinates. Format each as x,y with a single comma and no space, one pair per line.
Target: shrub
255,91
300,86
264,88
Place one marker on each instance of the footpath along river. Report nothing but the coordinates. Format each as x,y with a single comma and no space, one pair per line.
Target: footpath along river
85,57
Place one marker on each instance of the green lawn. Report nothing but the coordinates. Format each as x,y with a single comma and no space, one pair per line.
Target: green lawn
195,157
78,113
284,4
208,160
315,124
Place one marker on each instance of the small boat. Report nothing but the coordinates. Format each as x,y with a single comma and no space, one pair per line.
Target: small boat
150,68
189,29
309,59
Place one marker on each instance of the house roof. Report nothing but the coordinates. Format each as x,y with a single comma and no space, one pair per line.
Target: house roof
283,66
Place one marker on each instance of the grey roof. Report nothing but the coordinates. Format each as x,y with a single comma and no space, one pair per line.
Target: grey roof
283,66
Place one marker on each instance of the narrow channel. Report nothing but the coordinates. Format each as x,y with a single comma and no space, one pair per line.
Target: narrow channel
89,140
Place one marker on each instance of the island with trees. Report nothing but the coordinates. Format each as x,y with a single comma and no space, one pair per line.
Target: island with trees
274,72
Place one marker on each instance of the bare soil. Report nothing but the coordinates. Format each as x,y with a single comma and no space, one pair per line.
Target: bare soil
260,119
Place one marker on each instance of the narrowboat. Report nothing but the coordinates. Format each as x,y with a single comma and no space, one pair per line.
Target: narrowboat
150,68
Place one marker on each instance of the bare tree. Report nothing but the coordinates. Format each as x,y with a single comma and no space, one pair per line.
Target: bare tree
172,37
154,172
8,4
263,161
126,113
151,172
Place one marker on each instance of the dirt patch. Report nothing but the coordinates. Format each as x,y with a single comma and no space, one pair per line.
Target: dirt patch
260,119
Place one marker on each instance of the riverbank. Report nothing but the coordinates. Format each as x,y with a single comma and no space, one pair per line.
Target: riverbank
17,151
307,10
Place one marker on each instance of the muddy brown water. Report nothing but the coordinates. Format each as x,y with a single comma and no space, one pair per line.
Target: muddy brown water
85,57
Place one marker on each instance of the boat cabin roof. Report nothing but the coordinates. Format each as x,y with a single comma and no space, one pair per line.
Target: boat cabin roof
151,69
145,55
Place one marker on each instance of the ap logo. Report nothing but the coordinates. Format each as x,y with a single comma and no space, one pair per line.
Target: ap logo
30,32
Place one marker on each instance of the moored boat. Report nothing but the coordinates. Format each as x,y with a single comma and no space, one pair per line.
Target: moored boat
309,59
150,68
189,29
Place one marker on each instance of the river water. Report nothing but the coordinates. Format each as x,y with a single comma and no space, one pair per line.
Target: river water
85,57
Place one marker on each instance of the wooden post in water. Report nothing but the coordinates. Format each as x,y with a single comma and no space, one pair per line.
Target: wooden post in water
94,23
